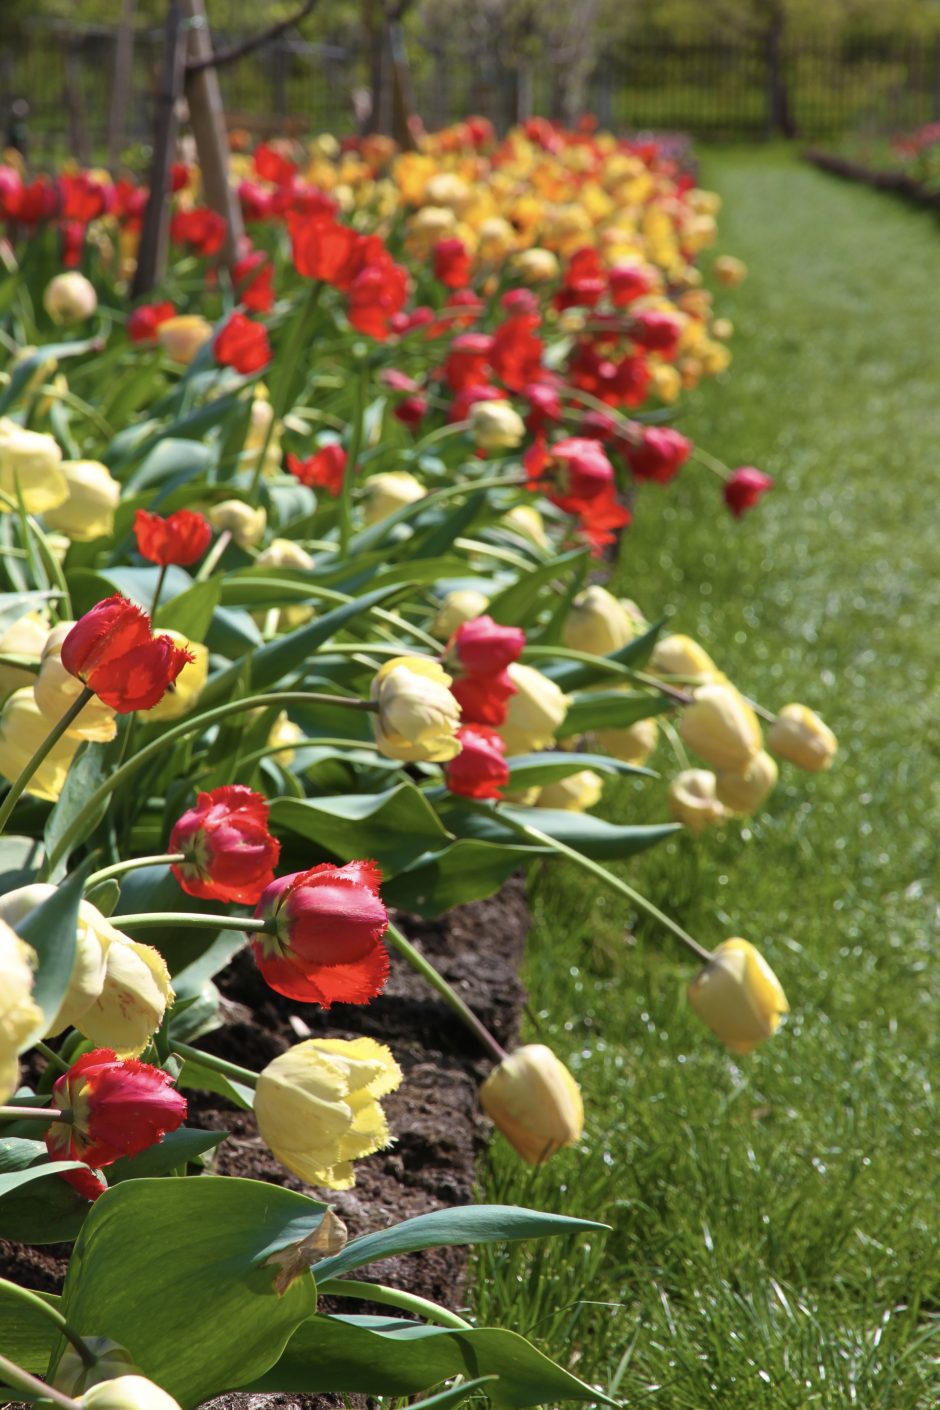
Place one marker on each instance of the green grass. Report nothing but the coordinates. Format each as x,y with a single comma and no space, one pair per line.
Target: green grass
775,1220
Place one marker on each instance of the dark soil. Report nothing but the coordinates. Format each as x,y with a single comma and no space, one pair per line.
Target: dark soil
898,183
434,1116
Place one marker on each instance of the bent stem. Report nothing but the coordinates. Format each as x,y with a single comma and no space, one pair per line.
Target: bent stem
393,1297
119,868
447,993
217,1064
161,579
188,920
33,1387
54,1315
613,883
352,455
51,739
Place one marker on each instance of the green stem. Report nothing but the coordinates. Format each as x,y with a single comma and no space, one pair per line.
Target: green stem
48,744
213,556
447,993
21,663
52,1056
352,456
189,920
119,868
288,361
612,882
161,579
51,564
217,1064
193,725
31,1113
682,697
54,1315
393,1297
18,1379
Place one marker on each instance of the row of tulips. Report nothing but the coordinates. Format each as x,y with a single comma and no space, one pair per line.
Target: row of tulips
303,620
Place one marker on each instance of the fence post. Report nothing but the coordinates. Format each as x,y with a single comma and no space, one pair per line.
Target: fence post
207,118
779,117
120,93
155,236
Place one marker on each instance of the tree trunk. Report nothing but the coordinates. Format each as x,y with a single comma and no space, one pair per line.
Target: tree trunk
155,236
120,93
207,117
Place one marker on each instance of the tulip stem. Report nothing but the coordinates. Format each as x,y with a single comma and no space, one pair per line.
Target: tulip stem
190,920
352,455
609,880
393,1297
52,1056
217,1064
54,1315
681,697
33,1387
447,993
297,338
31,1113
80,824
211,559
48,744
161,579
118,868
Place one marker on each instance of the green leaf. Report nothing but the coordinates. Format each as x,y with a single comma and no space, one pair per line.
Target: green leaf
156,889
191,611
25,370
176,1149
464,1224
19,858
393,827
529,770
52,930
452,523
575,675
17,1153
512,606
27,1337
613,709
138,584
467,870
599,840
38,1207
169,457
87,772
455,1395
206,1079
393,1357
179,1272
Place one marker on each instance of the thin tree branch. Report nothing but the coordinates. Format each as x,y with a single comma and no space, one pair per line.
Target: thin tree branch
238,51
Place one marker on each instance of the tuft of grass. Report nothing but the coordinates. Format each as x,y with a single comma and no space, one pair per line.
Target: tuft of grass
775,1222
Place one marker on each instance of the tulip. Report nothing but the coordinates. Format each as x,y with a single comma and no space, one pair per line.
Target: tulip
525,519
729,270
284,553
89,965
598,623
182,538
30,469
69,298
721,726
73,1376
387,492
480,769
458,607
127,1393
660,454
536,266
738,995
23,728
325,469
26,637
632,745
799,736
20,1015
418,716
743,791
284,732
681,656
494,425
744,488
233,516
483,699
584,472
574,794
317,1106
93,496
535,1102
242,344
229,853
694,801
115,1108
142,324
536,711
182,337
111,650
482,647
325,942
183,695
56,690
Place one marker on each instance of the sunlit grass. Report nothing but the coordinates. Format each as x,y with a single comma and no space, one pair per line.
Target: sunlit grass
775,1220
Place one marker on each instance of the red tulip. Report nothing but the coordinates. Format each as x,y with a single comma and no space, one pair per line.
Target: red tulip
253,277
143,323
181,538
628,282
323,470
230,855
467,361
480,769
324,249
483,648
326,946
582,472
112,651
201,228
744,488
451,263
660,454
483,700
242,344
117,1107
656,331
516,354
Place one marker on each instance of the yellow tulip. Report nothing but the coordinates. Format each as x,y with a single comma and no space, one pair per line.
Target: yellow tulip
799,736
536,1103
721,726
88,969
598,623
182,337
694,801
494,425
26,637
462,605
246,525
738,995
535,713
31,469
93,496
679,655
385,493
525,519
632,745
729,270
19,1014
135,995
743,791
23,727
69,298
574,794
55,690
127,1393
418,716
183,695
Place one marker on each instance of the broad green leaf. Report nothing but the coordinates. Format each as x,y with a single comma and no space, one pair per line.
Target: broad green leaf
18,1153
52,930
24,371
467,870
574,675
528,770
455,1395
191,611
156,889
464,1224
37,1206
206,1079
612,709
452,523
599,840
86,773
138,584
389,1356
393,828
26,1336
512,607
171,456
19,858
176,1149
181,1273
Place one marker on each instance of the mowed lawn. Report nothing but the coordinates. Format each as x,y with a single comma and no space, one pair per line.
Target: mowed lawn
775,1220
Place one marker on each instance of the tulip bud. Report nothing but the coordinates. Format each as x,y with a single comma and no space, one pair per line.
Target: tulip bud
246,525
88,968
526,519
317,1106
93,496
738,995
183,695
26,637
230,855
23,728
182,337
497,238
115,1108
127,1393
135,995
743,791
283,732
19,1014
482,647
536,711
111,650
180,538
385,493
799,736
30,469
55,690
574,794
70,298
536,266
72,1376
721,726
633,745
681,656
729,270
494,425
597,623
457,607
480,769
694,801
535,1102
284,553
418,716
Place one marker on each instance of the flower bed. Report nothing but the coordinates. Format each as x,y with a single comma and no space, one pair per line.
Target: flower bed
906,166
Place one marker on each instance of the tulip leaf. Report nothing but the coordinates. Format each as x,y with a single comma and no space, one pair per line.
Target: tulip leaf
89,588
25,370
599,840
513,606
464,1224
160,1260
157,889
176,1149
393,827
394,1357
206,1079
191,611
575,675
26,1335
467,870
613,709
19,858
88,770
173,456
528,770
52,930
454,1395
37,1206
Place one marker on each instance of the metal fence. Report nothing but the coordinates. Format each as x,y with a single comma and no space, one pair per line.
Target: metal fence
725,91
